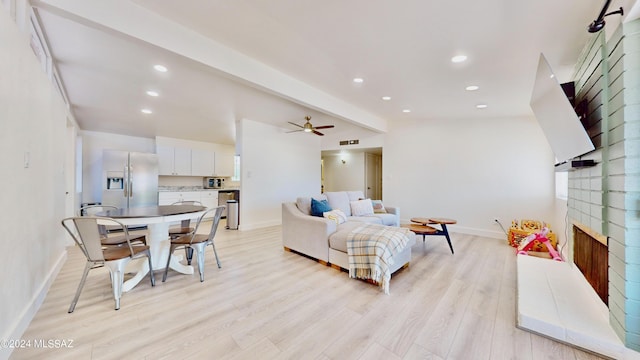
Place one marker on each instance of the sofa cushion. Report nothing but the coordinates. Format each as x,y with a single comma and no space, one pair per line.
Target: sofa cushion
338,240
318,207
304,203
339,200
378,207
361,207
355,195
336,215
387,219
372,219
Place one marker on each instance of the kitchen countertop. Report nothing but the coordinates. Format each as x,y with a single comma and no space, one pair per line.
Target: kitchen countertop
192,188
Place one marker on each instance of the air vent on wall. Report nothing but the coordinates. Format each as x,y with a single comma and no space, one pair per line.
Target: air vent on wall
349,142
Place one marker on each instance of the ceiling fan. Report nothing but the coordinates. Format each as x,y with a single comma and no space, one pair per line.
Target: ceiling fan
307,127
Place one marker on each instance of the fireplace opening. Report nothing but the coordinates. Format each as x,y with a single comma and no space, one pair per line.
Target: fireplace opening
591,256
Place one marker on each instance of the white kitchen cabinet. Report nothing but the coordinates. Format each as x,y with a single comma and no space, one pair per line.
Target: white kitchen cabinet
202,162
173,160
165,160
209,199
170,197
224,164
191,196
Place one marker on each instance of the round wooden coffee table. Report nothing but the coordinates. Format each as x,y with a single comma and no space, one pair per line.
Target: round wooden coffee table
423,230
423,223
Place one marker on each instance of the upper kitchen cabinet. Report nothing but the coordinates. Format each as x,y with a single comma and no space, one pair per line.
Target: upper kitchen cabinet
224,164
173,160
210,163
194,158
202,162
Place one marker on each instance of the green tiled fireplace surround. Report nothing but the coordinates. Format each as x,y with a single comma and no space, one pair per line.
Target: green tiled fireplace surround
606,198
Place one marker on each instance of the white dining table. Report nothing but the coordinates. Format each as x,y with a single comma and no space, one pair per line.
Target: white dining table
157,220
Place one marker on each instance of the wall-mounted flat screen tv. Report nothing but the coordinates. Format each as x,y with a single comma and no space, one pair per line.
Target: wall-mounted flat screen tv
556,116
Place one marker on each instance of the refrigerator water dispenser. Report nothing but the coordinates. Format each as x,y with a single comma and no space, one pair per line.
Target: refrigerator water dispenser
115,180
115,183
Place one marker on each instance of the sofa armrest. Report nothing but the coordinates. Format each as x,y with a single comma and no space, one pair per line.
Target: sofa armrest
395,211
306,234
392,210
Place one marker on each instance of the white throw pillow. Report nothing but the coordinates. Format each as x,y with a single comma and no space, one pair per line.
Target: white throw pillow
336,215
362,207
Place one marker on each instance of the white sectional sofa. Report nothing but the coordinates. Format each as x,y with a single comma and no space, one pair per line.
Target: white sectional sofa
323,239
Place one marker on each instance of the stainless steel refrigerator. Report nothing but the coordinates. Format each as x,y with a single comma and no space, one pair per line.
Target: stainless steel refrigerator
130,179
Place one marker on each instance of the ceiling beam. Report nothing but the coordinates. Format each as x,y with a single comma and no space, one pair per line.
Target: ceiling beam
126,17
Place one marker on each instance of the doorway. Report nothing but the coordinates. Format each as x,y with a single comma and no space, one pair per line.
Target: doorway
353,169
373,176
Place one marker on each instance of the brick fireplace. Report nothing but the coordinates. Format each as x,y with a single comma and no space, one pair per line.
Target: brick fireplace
604,200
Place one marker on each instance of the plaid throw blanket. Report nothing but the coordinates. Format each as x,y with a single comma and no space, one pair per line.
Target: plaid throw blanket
371,248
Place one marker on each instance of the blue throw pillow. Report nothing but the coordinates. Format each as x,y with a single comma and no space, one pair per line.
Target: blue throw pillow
318,207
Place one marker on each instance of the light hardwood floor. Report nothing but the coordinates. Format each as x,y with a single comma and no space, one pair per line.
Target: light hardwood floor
266,303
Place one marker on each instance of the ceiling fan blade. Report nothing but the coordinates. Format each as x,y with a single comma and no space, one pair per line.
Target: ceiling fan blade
318,133
295,124
324,127
292,131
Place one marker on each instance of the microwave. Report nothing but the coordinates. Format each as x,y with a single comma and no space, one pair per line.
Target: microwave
213,183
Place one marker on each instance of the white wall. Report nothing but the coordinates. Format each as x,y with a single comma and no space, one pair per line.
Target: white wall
346,176
471,170
191,144
276,167
33,120
366,139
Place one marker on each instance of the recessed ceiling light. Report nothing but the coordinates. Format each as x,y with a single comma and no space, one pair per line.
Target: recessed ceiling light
482,106
472,88
152,93
459,58
146,111
406,111
386,98
160,68
358,80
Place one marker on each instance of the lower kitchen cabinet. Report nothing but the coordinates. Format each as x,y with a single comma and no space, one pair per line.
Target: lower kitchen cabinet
208,198
170,197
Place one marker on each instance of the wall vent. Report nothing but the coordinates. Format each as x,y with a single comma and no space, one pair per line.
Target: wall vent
349,142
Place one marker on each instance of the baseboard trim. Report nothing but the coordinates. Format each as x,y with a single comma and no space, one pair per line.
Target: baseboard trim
22,323
478,232
470,231
260,225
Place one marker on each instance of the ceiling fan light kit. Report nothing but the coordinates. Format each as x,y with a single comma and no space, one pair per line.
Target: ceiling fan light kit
308,127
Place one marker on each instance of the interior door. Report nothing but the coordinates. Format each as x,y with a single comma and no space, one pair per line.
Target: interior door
373,176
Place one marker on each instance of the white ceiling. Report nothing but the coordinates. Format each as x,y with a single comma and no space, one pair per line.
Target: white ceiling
401,49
